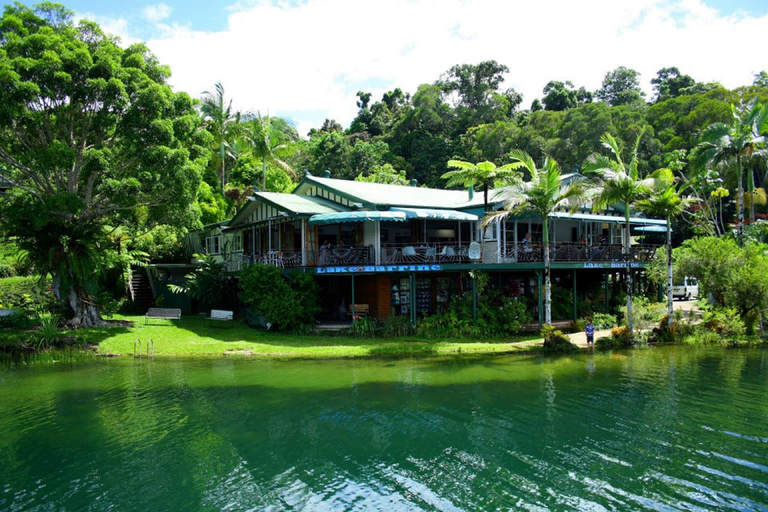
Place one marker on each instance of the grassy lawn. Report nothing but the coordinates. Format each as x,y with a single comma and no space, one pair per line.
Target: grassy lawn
193,336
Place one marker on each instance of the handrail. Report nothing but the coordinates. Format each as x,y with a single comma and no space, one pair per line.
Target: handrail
424,253
577,252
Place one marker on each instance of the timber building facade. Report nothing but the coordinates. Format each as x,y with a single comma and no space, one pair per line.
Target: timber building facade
405,250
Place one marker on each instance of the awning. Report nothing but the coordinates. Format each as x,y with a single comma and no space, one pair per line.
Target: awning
590,217
429,213
359,216
653,229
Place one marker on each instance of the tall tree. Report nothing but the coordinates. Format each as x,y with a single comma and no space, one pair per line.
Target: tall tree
564,96
93,139
485,174
669,83
543,195
223,123
761,79
665,201
731,144
620,87
619,182
478,98
271,140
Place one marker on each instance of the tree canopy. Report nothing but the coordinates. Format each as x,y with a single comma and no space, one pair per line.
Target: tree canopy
92,137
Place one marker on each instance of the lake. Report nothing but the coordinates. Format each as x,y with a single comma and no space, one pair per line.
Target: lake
663,428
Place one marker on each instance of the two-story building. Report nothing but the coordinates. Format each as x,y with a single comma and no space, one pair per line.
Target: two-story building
405,250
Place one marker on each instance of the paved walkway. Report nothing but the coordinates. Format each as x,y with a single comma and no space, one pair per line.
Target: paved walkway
580,338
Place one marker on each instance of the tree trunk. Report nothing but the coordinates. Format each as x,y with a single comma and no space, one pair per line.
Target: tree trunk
629,275
84,308
223,176
751,185
741,203
547,277
670,309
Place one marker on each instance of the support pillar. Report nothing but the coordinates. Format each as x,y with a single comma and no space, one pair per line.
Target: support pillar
412,296
541,297
575,297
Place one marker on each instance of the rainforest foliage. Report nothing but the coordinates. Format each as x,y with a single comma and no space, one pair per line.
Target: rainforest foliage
111,167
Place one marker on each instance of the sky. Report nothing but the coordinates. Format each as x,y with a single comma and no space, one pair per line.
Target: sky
305,60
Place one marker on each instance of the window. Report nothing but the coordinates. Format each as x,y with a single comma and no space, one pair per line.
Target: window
212,244
238,241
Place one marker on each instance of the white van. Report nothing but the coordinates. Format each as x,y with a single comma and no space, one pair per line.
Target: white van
686,289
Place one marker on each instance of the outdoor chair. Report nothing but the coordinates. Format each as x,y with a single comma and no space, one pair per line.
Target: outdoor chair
409,253
474,251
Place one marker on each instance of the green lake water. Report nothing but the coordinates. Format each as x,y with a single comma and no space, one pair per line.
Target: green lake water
657,429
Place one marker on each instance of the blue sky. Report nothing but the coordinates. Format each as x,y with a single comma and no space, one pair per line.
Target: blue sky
306,59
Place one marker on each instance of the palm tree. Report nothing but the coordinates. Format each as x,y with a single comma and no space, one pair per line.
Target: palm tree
222,123
665,201
618,182
485,174
271,139
544,194
732,143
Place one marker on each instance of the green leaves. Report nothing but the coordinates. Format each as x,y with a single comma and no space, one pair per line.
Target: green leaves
91,135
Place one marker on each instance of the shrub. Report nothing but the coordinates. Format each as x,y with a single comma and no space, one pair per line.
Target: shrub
644,313
26,293
724,321
675,332
363,327
395,326
6,270
18,320
555,342
621,336
206,283
604,321
49,330
497,315
608,343
288,303
450,324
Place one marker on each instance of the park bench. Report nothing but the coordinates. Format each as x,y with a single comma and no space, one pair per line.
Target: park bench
357,310
221,315
163,313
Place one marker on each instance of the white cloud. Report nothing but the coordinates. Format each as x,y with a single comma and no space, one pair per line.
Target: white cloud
156,13
310,59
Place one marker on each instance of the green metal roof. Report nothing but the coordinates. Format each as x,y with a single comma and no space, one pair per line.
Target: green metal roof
298,205
431,213
360,216
592,217
377,195
295,205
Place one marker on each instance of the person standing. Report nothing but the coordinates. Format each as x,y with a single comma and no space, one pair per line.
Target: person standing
589,329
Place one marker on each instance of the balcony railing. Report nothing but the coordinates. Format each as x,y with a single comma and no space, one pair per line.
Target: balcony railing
574,252
345,255
397,254
409,254
281,259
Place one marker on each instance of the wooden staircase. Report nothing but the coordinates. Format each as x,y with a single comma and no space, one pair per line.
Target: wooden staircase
141,289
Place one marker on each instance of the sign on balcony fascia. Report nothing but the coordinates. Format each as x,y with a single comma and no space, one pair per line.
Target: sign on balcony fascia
609,264
369,269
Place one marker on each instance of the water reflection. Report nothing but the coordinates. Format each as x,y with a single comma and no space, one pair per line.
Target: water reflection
656,429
